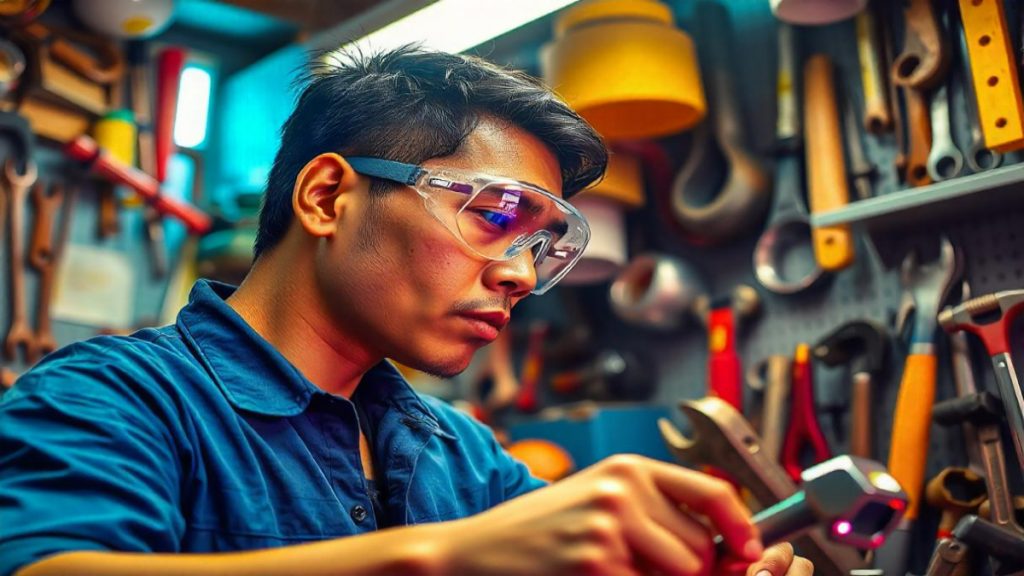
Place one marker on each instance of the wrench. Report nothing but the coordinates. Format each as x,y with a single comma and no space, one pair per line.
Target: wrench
976,316
19,334
724,440
927,285
949,558
979,157
983,411
47,266
963,379
877,118
945,160
925,56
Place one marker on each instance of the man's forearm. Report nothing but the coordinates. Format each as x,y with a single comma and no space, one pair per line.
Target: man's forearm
414,551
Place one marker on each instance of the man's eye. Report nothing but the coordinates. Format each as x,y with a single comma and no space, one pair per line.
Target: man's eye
499,219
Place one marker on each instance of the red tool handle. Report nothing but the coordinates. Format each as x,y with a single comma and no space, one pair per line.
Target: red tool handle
725,378
803,422
103,164
170,63
533,367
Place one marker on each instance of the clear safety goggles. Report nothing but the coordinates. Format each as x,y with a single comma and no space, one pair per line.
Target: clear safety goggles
495,218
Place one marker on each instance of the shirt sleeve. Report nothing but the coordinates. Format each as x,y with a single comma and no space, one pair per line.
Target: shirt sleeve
518,480
83,466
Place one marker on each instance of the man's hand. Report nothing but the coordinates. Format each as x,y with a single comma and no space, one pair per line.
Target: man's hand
778,560
624,515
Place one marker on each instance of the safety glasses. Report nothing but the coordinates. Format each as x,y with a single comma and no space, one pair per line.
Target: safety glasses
495,218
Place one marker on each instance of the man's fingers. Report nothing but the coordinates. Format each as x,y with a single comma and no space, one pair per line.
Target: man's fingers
664,552
715,499
777,561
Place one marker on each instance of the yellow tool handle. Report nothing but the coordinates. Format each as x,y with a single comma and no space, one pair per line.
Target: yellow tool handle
826,170
994,74
876,102
912,420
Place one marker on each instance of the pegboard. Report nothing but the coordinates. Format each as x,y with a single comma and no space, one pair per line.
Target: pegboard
991,241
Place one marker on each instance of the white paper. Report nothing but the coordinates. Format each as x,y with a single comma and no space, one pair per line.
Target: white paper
95,287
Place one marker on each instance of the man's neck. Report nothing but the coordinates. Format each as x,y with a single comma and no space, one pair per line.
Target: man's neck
290,315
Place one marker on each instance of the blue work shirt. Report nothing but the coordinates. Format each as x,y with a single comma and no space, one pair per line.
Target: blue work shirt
201,437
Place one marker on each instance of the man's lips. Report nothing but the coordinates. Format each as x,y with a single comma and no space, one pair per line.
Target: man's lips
488,323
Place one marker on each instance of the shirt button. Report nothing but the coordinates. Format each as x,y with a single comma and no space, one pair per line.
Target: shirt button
358,513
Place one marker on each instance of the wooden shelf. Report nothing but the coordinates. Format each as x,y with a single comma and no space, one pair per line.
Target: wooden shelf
957,198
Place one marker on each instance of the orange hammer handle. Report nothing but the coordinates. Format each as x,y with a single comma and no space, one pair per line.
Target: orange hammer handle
912,420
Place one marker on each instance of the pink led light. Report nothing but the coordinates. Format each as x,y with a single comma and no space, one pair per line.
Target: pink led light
842,527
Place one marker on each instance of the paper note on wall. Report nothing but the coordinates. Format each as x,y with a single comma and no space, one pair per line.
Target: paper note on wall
96,287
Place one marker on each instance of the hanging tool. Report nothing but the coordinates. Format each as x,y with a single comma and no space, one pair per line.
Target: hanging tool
985,413
927,285
1004,546
979,157
723,318
99,160
863,345
898,121
919,138
994,74
613,375
43,256
656,290
18,184
877,117
1016,508
861,170
774,387
855,498
784,256
956,491
826,169
533,368
706,209
803,420
949,558
925,57
722,439
963,380
945,160
989,318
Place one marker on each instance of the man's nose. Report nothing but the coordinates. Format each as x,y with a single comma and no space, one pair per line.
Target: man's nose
516,277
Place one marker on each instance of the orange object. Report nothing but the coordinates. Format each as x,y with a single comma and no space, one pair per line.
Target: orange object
546,460
908,453
826,167
625,68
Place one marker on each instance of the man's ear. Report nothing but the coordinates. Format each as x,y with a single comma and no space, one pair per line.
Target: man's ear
321,193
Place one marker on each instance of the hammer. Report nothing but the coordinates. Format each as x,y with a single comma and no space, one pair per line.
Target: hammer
722,317
989,317
863,345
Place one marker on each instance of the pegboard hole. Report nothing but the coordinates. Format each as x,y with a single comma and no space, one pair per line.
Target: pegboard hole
919,172
1000,122
993,80
984,40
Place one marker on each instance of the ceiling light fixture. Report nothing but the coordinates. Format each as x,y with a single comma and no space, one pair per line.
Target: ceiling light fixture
446,25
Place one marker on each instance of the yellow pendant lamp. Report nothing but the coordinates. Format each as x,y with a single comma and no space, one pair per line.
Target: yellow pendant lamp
625,68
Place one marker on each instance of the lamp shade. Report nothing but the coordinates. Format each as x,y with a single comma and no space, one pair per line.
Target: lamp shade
625,68
816,12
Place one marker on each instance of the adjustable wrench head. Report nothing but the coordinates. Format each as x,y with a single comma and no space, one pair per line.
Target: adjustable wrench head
926,285
857,498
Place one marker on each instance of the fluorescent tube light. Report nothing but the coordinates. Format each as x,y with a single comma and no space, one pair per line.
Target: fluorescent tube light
193,110
457,25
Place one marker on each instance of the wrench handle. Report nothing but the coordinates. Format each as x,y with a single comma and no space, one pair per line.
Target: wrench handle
877,118
919,137
803,424
908,451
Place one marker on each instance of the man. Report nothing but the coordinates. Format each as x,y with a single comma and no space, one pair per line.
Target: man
416,198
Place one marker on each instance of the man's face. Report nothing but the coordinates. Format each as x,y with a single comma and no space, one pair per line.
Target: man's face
402,285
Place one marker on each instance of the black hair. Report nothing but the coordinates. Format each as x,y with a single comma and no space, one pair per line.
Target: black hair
409,105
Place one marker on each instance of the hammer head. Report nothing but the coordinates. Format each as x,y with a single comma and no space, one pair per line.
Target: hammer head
857,497
862,344
983,310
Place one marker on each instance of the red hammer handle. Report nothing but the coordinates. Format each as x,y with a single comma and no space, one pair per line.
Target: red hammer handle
100,161
169,66
725,378
803,425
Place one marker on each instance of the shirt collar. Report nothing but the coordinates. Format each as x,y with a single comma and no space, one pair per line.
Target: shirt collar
255,377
